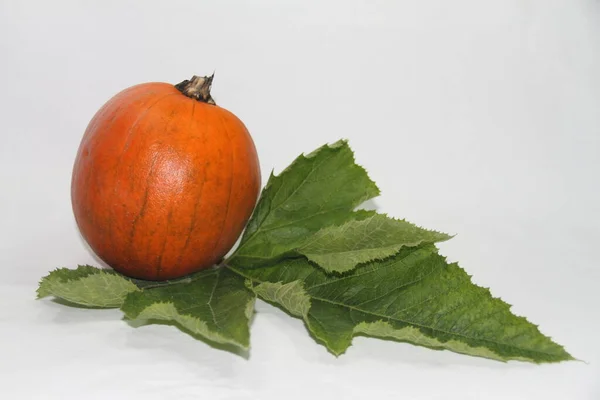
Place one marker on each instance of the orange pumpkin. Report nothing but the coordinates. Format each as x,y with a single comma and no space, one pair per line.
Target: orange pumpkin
164,180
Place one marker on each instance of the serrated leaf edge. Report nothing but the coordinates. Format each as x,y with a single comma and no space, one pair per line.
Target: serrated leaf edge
167,311
47,286
382,328
394,249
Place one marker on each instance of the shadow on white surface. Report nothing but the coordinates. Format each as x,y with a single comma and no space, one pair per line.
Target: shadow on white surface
139,325
284,331
380,350
167,343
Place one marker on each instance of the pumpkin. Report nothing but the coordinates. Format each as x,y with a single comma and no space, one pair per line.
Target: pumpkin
164,180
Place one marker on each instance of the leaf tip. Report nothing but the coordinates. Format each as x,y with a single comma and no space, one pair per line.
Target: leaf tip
41,292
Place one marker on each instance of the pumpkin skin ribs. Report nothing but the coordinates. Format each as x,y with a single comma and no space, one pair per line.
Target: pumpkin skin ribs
164,180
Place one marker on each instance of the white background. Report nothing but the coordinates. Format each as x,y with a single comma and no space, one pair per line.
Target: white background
479,118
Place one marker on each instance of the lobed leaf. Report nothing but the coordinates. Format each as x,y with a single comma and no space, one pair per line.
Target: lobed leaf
315,191
414,296
215,304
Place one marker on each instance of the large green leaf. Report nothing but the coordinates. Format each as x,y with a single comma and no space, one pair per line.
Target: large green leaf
214,304
414,296
341,248
87,286
316,190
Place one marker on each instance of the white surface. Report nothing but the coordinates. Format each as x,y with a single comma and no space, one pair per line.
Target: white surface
479,118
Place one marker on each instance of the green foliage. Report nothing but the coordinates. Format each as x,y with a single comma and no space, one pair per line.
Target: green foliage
414,296
342,248
215,304
87,286
316,190
344,272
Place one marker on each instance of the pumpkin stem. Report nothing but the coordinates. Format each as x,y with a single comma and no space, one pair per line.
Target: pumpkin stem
197,88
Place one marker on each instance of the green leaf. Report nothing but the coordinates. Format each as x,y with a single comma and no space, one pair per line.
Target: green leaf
315,191
214,304
291,295
87,286
414,296
341,248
